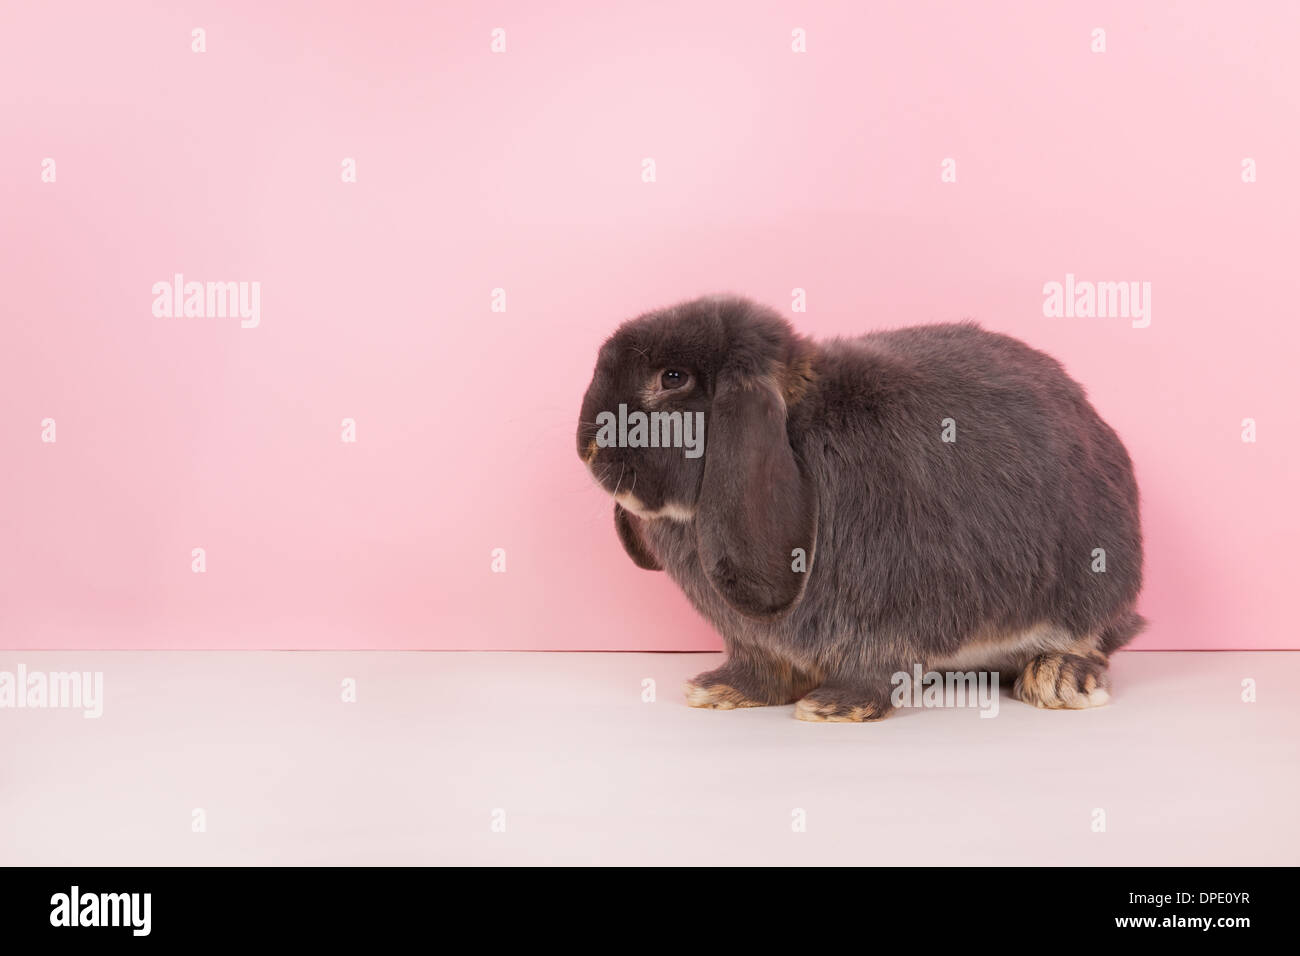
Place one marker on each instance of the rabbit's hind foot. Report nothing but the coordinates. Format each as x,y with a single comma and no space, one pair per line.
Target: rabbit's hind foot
1064,681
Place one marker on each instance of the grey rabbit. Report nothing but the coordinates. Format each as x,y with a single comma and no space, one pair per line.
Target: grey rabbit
940,496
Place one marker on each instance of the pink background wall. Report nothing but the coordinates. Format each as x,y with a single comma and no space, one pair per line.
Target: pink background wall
522,170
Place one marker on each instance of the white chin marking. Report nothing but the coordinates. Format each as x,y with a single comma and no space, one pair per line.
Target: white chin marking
670,511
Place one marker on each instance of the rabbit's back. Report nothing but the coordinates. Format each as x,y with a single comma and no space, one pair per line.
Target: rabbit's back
967,486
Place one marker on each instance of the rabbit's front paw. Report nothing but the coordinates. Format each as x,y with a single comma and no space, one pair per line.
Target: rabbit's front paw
716,696
842,705
1064,682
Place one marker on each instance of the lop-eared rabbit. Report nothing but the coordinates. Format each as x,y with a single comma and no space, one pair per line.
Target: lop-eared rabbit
940,496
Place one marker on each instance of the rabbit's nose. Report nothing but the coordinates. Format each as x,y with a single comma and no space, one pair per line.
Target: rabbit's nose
590,455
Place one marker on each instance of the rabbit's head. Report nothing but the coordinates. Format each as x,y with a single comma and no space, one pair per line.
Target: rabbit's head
685,420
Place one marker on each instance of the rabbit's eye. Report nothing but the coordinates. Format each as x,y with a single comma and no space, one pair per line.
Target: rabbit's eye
673,378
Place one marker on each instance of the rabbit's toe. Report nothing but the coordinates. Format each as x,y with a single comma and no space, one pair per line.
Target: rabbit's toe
1064,682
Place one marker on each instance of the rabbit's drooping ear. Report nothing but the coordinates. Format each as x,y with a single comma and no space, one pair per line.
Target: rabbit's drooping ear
756,507
628,526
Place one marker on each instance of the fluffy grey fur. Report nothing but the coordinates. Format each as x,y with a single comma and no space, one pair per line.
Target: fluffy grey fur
978,552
